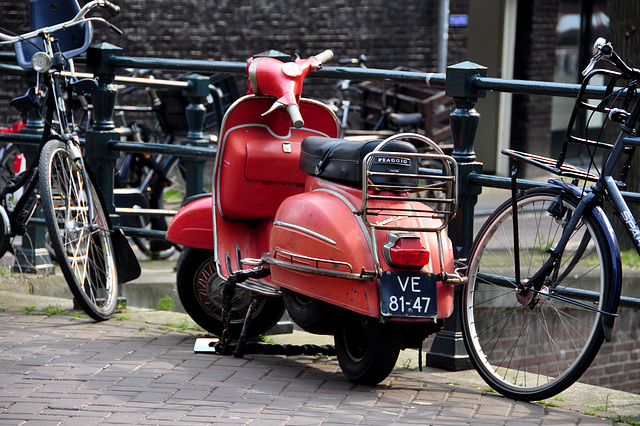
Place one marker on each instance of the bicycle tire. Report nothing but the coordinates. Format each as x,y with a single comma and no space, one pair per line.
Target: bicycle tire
6,164
86,259
533,353
168,197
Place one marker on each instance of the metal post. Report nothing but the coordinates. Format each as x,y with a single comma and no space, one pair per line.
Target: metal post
448,351
195,113
32,255
101,160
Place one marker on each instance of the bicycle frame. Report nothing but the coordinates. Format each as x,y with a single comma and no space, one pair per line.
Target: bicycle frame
591,200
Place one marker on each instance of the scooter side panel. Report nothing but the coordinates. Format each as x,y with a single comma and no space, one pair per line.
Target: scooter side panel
338,213
319,225
192,226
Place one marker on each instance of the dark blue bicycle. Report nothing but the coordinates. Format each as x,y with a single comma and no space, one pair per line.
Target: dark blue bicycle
545,270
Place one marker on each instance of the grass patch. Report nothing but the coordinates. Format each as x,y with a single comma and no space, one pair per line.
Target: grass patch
121,306
630,258
624,419
53,310
165,304
184,324
548,403
28,309
406,363
604,407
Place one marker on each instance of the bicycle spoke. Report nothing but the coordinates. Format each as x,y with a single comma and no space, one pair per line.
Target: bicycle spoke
528,345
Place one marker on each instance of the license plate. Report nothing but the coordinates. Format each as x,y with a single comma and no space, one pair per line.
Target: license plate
406,294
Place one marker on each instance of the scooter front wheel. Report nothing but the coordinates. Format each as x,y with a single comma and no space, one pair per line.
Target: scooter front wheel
367,349
200,290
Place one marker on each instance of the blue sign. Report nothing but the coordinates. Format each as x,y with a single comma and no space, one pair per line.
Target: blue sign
458,20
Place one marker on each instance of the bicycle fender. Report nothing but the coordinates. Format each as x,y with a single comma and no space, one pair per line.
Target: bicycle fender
192,226
613,302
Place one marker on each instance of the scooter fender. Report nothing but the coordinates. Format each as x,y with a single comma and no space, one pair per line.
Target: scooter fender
192,226
320,229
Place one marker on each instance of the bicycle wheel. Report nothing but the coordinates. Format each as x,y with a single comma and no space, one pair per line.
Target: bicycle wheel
531,351
6,164
164,194
79,231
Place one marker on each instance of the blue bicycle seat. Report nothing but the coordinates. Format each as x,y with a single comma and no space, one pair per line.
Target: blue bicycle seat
70,42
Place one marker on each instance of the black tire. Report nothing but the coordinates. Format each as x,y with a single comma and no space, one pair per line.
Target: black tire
82,243
6,164
200,290
367,349
532,352
312,315
162,196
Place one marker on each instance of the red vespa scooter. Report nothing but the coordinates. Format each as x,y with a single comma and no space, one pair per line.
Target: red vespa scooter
348,236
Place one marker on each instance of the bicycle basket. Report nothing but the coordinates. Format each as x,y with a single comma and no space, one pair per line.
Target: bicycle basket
71,42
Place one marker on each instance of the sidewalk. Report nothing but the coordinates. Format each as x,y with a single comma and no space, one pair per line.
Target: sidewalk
139,368
135,369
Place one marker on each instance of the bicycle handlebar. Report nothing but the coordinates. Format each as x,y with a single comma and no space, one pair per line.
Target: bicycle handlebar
113,9
604,50
321,58
78,19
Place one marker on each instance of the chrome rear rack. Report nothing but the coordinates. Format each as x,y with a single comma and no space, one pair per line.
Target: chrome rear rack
432,191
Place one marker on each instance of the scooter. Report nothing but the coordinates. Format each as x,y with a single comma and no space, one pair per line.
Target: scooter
348,236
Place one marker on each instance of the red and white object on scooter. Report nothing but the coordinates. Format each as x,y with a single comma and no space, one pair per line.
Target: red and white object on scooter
349,235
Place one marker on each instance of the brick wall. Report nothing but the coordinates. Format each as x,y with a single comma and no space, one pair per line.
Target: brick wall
389,33
617,365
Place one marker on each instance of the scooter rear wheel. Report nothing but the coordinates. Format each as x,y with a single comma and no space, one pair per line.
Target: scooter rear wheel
367,349
312,315
200,290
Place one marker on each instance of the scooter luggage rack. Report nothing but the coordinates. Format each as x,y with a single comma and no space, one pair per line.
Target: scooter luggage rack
439,183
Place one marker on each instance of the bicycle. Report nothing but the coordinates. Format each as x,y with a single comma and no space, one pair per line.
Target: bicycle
87,249
536,313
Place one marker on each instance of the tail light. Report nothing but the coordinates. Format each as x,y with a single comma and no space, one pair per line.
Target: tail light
404,249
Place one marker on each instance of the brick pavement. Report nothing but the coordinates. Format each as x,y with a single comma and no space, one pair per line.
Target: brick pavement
64,370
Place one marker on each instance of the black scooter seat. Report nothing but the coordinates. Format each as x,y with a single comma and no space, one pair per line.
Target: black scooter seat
341,159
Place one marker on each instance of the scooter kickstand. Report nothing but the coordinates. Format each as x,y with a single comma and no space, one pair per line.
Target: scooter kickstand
223,346
242,339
